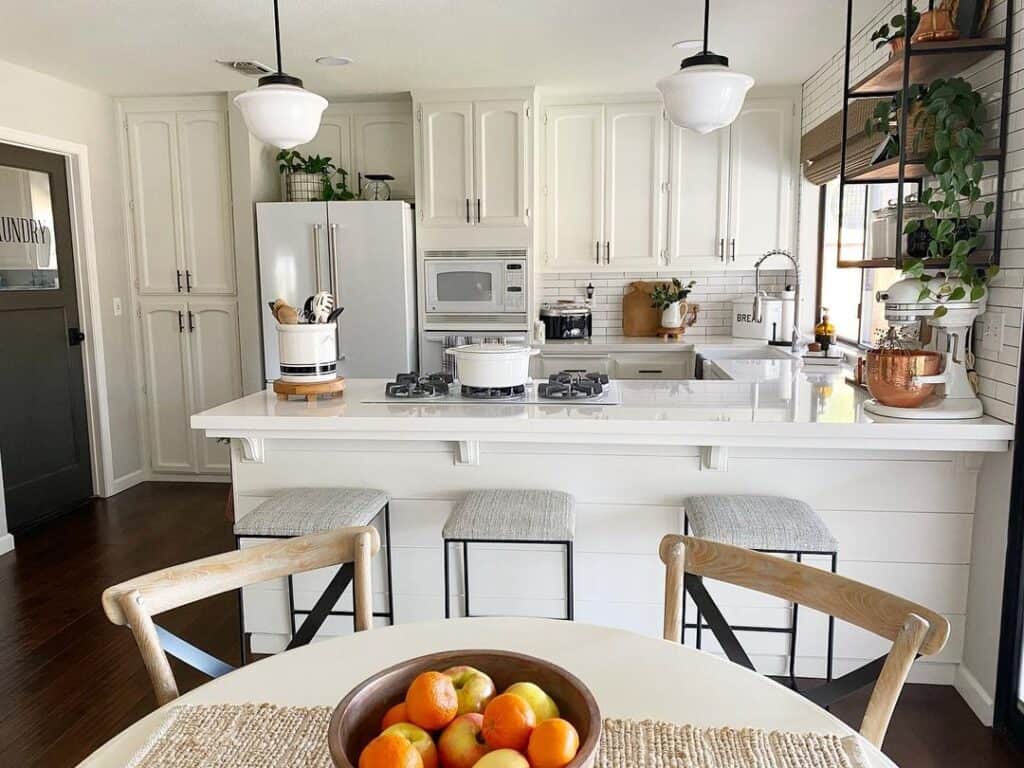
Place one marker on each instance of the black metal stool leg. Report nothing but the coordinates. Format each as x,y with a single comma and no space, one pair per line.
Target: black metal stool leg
387,561
465,574
792,639
569,598
831,632
447,582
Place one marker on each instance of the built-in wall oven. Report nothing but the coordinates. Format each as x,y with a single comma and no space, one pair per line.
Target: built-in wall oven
434,343
478,285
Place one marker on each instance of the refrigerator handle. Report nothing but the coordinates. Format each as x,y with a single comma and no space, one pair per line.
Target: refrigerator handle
316,254
332,259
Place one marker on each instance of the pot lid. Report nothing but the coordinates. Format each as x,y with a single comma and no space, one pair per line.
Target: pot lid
491,348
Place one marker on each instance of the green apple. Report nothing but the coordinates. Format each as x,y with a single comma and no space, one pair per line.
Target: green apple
462,744
419,738
473,687
543,706
502,758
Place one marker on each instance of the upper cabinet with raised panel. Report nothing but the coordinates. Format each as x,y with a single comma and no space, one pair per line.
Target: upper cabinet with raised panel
473,159
732,193
179,172
604,184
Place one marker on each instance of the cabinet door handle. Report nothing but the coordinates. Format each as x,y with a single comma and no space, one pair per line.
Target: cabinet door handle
316,254
733,245
721,250
478,210
468,219
181,322
191,321
177,279
597,251
650,370
607,252
332,258
188,280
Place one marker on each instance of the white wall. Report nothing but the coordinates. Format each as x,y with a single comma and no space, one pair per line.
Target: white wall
36,103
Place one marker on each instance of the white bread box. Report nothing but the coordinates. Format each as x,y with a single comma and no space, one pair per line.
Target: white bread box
309,352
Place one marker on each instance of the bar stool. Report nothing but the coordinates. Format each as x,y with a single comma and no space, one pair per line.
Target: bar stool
770,524
304,511
497,516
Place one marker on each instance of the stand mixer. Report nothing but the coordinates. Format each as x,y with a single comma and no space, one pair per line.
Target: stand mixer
957,399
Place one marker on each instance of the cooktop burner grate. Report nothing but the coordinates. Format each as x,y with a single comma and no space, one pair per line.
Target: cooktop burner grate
408,385
572,385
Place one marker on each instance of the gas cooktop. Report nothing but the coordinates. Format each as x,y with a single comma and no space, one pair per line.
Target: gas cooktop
561,388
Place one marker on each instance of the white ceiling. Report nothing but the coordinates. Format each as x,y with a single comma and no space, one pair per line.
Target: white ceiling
169,46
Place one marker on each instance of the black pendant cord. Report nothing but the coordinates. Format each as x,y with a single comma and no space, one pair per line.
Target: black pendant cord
705,57
707,13
277,37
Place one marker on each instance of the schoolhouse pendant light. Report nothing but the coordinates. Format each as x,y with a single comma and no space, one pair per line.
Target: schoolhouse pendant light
280,111
704,94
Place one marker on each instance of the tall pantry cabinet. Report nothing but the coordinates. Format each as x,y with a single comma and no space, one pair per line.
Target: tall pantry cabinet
177,166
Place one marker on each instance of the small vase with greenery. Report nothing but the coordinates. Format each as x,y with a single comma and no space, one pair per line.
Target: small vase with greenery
668,297
956,113
895,33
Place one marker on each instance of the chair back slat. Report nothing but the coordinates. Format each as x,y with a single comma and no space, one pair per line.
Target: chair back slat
180,585
867,607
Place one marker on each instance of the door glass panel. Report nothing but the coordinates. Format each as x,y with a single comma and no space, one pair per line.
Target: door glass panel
465,286
28,255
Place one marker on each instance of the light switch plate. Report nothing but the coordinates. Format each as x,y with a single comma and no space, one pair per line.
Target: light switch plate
118,309
992,331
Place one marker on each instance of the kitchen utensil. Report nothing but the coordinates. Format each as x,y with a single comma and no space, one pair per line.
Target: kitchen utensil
492,365
376,186
936,24
335,314
639,318
309,351
891,375
321,307
566,320
356,721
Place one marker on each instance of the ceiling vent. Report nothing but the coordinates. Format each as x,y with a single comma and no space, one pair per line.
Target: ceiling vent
247,68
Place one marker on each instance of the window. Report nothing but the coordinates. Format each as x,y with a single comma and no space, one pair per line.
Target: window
849,293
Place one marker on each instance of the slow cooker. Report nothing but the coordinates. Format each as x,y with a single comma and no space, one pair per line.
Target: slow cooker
567,320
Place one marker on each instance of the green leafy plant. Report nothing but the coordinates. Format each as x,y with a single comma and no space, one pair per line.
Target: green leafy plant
339,190
666,294
956,111
896,28
290,161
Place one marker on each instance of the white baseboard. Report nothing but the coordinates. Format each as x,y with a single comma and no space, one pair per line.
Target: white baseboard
171,477
6,544
124,482
974,694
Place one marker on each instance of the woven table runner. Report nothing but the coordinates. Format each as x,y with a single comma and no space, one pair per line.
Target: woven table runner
268,736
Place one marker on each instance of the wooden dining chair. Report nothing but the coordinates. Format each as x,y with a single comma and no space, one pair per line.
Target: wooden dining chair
136,602
913,629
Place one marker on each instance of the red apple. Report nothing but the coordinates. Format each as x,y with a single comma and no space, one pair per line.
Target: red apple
472,686
461,744
543,706
419,739
502,758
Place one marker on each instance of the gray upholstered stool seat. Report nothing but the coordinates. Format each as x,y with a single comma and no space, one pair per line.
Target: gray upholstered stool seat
772,523
513,515
305,511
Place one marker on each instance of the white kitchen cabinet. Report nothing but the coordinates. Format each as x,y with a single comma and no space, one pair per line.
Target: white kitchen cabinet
192,362
181,202
474,163
548,364
732,192
334,140
574,186
635,175
604,181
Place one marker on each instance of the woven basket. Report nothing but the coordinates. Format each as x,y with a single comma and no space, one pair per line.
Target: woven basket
920,133
300,187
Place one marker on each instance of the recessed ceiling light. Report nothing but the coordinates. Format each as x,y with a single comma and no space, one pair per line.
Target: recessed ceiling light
333,61
688,44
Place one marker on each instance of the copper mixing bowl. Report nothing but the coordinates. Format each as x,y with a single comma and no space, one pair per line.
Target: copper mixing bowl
891,375
357,718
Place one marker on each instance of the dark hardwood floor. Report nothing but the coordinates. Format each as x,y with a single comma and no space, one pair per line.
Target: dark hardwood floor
69,680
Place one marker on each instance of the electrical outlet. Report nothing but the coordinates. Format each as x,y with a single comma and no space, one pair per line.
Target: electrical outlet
118,309
992,331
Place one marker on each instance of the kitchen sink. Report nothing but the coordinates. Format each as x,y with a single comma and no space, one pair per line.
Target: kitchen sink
746,353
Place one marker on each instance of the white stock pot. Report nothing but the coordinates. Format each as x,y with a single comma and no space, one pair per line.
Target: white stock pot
492,365
309,352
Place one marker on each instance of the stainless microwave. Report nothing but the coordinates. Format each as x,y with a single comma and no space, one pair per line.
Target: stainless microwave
475,282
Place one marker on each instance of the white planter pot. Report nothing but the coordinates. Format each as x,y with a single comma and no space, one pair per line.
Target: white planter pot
672,316
303,187
492,365
309,353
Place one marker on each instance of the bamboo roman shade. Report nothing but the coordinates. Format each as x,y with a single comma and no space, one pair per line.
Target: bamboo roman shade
820,146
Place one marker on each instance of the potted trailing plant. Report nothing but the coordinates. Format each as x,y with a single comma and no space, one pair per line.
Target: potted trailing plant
670,298
305,176
956,112
338,190
894,34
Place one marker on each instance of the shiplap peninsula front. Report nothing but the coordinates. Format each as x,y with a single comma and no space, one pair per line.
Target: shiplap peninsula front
899,495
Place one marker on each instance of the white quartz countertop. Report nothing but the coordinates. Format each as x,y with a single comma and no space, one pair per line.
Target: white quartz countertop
606,344
769,402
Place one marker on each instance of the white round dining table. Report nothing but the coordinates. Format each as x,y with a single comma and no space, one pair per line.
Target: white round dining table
630,675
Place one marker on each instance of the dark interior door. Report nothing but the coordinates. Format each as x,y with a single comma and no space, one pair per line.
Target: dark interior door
44,439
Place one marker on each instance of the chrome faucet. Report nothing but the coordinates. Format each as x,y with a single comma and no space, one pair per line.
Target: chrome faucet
758,313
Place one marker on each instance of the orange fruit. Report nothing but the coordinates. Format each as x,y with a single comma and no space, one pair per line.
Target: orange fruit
395,714
431,701
508,722
389,750
553,744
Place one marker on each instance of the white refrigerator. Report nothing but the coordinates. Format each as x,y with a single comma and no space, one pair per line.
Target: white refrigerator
363,253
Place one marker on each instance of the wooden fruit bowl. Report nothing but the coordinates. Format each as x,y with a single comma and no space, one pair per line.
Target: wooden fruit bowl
356,720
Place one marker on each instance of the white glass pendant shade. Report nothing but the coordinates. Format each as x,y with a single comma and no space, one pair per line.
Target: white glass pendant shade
282,114
704,97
